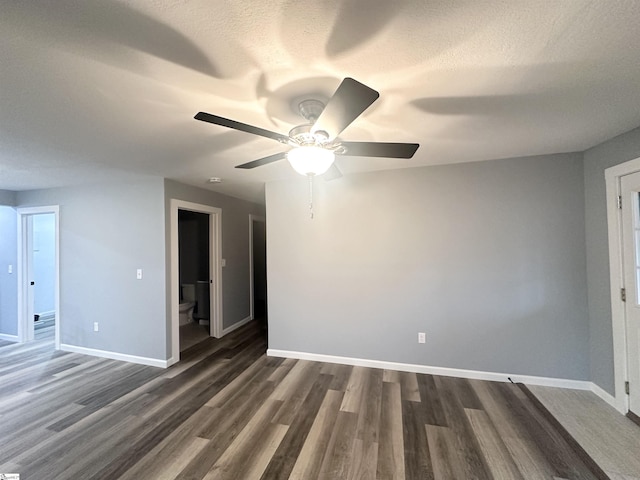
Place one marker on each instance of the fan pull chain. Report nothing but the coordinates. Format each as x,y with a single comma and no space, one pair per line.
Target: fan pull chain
310,196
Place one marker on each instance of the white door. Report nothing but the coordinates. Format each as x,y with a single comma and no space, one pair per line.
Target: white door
630,186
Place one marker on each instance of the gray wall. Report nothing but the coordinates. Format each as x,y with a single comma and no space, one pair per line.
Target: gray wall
8,281
487,258
7,197
235,246
107,231
44,262
613,152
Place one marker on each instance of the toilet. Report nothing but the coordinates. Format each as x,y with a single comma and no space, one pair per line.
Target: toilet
187,303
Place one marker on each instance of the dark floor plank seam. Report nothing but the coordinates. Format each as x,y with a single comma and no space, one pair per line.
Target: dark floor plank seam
564,433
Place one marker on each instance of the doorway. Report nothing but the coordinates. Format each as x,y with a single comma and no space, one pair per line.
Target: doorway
194,273
623,219
196,276
258,269
38,274
630,206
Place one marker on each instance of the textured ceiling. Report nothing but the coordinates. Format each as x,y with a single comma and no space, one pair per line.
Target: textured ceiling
92,90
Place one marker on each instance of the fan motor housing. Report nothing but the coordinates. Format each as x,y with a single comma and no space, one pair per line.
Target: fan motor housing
303,135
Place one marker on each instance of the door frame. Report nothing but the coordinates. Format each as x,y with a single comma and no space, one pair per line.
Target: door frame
215,271
25,238
616,271
253,218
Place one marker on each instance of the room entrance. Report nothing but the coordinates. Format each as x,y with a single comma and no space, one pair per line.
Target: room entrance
38,274
196,271
630,203
258,268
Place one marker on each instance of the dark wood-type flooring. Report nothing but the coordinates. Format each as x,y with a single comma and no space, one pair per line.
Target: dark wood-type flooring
227,411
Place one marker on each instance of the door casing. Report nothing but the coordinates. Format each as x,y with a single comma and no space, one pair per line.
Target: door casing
215,271
25,263
630,186
613,177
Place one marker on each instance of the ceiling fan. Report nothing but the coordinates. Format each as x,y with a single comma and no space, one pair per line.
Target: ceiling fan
316,142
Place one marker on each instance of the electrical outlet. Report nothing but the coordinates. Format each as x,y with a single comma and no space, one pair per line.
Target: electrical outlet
95,327
422,338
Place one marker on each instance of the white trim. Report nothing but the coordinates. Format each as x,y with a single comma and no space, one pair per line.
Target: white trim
236,325
252,218
171,361
625,168
616,279
24,331
447,372
606,396
152,362
22,297
215,263
44,316
9,338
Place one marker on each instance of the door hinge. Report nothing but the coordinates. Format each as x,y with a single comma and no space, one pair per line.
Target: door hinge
623,294
620,202
626,388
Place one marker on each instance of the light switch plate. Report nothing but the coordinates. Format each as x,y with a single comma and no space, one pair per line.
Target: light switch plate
139,274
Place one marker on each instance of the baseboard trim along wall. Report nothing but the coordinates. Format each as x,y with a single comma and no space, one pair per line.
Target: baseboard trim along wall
448,372
607,397
236,325
152,362
8,338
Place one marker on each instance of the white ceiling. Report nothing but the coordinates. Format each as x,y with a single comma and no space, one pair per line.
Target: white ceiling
93,90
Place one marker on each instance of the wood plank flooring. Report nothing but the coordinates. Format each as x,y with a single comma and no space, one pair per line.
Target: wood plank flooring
611,439
227,411
191,334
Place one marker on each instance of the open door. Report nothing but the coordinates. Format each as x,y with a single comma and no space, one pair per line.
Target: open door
214,282
630,203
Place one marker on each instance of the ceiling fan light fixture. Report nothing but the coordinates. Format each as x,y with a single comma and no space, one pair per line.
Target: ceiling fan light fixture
310,160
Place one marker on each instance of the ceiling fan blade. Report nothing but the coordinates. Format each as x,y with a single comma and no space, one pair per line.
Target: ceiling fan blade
348,102
264,161
333,173
380,149
243,127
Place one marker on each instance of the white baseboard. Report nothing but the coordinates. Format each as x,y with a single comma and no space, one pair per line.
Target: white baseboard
607,397
152,362
9,338
236,325
447,372
171,361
